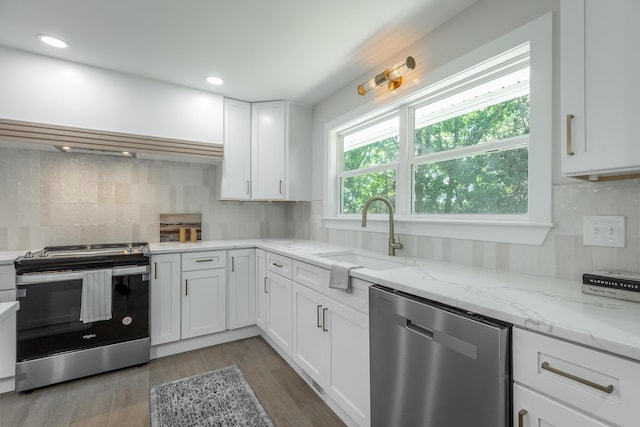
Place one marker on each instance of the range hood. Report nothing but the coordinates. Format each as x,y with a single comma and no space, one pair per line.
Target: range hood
72,139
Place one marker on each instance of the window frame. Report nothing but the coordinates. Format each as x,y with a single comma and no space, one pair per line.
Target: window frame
530,228
341,173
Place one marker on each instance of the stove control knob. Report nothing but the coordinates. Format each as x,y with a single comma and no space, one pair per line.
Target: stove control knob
28,255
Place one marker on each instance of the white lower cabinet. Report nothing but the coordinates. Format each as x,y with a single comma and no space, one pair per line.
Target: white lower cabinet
533,409
261,290
326,339
203,302
348,375
279,310
188,295
331,344
165,306
242,291
311,341
562,384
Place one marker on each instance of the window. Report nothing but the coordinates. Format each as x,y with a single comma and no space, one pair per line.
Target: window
470,148
468,156
369,156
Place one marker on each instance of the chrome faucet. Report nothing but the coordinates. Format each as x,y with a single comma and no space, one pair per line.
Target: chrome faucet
393,245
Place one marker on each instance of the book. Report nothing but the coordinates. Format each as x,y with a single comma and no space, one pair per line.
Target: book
620,280
611,293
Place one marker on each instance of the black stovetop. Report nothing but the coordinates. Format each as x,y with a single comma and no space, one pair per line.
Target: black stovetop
80,257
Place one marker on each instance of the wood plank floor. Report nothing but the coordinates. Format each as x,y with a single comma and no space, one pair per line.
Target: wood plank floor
121,398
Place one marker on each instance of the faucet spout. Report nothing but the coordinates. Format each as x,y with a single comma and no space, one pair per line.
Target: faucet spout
393,245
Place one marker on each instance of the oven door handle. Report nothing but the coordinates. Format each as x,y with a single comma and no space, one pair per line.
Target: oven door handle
35,278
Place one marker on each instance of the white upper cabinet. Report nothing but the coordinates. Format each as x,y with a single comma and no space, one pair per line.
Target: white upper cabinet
599,85
236,167
280,151
267,151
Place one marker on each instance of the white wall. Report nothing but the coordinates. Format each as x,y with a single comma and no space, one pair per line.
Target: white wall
563,254
481,23
41,89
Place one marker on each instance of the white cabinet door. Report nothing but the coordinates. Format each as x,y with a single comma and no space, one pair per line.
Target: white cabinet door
279,311
242,288
165,298
203,302
348,380
310,341
268,150
261,290
599,86
236,165
532,409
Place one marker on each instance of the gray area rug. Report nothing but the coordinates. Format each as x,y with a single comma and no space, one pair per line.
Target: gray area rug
217,398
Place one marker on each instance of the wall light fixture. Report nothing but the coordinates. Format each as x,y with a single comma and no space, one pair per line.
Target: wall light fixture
392,76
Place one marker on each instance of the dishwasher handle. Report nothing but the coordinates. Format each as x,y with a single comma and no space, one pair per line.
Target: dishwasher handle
419,329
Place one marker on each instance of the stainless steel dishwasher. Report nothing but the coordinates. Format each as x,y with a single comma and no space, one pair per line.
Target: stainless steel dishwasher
436,366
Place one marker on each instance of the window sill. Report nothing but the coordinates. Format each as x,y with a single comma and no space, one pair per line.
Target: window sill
518,232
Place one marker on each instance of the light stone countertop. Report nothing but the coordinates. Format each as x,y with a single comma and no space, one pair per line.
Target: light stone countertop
543,304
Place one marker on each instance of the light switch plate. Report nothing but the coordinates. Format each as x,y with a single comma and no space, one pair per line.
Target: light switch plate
603,231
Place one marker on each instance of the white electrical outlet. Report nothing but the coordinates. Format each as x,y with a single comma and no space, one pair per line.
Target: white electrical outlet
603,231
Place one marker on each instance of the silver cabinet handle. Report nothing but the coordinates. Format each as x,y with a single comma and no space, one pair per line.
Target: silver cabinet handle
521,414
248,187
569,142
318,316
186,287
233,264
265,285
324,319
606,389
280,187
155,270
277,265
205,260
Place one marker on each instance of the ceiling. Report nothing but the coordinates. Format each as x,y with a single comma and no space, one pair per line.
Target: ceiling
301,50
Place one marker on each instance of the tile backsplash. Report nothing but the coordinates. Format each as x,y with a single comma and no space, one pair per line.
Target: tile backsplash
51,198
562,255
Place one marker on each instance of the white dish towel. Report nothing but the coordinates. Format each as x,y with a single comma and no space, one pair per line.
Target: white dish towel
96,296
339,277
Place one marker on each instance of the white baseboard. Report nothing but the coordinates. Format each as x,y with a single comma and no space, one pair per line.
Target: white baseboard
181,346
7,384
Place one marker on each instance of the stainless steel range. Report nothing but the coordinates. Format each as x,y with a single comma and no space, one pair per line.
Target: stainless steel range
83,310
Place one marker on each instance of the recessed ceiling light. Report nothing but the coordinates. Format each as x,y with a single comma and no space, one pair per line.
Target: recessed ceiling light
214,80
52,41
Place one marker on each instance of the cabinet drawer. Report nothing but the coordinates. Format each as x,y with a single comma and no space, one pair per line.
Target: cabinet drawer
279,264
357,298
7,277
203,260
316,278
542,411
558,368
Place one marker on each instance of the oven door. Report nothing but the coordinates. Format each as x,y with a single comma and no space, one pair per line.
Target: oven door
48,321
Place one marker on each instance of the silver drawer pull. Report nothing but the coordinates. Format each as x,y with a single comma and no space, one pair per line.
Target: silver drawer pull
521,414
277,265
318,309
547,367
205,260
569,138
